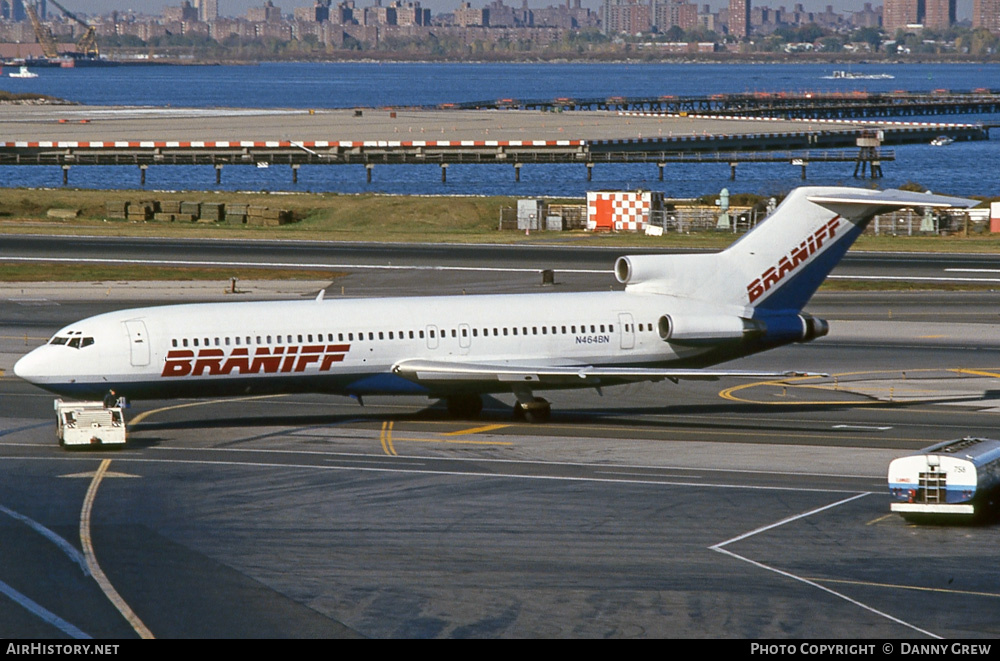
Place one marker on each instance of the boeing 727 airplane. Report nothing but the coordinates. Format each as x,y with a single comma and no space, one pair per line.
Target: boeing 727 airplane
677,316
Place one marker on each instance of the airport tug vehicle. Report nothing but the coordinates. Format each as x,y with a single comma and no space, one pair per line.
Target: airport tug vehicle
89,424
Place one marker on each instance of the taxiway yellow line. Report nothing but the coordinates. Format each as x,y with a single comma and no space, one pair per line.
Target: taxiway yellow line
977,373
91,557
729,393
880,519
474,430
463,441
386,438
145,414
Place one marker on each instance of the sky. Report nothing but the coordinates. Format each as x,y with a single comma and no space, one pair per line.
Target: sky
239,7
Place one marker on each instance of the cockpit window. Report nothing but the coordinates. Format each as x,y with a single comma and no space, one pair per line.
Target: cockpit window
76,342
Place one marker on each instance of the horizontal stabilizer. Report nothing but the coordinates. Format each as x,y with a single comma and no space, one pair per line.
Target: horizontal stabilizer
431,372
889,198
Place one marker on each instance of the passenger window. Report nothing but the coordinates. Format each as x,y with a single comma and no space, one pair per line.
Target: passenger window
173,343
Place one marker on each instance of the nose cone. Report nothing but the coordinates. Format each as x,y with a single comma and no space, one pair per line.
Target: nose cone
30,367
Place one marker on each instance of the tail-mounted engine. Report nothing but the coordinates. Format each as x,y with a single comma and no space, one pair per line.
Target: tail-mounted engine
775,329
688,329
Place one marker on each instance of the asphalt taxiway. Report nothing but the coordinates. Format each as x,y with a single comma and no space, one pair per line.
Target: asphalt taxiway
696,510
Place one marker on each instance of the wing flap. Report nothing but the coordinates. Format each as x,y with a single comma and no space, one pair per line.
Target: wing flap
430,372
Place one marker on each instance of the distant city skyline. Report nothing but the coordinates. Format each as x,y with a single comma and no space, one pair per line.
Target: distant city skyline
240,7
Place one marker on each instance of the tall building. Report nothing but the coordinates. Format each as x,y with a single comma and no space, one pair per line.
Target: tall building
739,18
939,14
674,13
468,16
628,16
897,14
266,14
208,10
986,14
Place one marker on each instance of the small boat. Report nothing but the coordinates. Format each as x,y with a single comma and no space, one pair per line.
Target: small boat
942,140
850,75
23,73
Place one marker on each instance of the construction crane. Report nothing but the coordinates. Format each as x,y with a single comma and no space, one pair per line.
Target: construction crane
87,44
42,33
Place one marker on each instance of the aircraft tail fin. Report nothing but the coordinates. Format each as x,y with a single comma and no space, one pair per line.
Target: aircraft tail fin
781,263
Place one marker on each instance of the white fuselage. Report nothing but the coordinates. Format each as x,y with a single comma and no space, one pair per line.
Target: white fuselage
349,345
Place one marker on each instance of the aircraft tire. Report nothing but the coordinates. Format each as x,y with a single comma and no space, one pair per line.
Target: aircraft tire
537,411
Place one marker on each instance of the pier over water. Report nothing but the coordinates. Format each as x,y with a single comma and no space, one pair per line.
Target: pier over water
68,136
787,105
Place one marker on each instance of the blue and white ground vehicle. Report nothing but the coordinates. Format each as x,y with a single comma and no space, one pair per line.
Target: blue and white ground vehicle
960,477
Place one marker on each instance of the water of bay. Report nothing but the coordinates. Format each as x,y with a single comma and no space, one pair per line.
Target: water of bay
957,169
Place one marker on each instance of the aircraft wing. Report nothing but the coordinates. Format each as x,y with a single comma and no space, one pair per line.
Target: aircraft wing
445,373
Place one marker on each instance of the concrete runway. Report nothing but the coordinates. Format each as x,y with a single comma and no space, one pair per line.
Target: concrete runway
700,510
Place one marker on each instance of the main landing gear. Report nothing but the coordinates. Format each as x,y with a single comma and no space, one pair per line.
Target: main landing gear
537,410
528,407
531,408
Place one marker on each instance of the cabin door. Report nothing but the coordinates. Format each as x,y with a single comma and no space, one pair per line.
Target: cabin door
464,338
627,326
138,342
432,337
